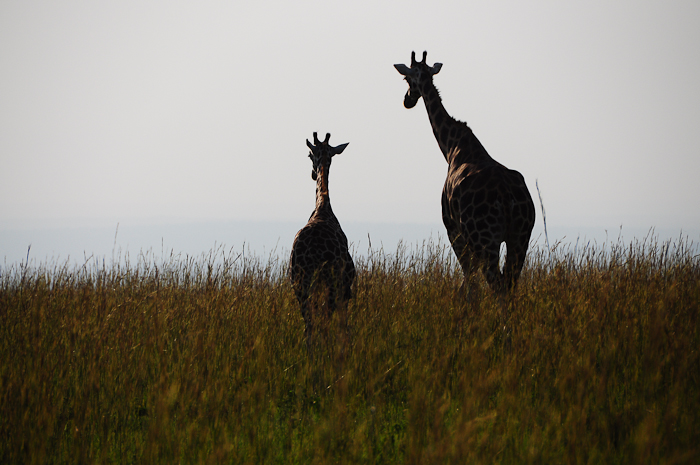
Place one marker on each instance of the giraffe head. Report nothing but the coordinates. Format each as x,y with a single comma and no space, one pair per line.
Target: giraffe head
418,75
321,154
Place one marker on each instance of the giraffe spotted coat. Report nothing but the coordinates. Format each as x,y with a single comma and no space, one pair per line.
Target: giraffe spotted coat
483,203
320,262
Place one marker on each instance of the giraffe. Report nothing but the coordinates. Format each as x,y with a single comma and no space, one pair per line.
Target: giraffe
320,261
483,203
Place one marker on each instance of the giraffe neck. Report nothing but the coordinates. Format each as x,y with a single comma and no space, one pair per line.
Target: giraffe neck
454,137
323,200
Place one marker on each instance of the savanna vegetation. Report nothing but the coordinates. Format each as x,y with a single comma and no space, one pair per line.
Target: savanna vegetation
594,359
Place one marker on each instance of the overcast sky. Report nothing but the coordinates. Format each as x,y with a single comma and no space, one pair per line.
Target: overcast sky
143,111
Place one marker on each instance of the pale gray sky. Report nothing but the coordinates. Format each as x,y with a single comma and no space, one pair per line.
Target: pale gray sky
112,112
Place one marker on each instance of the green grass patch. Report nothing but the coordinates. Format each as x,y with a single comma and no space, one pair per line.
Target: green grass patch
594,359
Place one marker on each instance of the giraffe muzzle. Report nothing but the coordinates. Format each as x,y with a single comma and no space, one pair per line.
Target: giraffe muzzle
409,101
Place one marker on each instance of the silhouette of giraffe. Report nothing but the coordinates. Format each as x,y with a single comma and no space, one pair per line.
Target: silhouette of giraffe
483,202
320,264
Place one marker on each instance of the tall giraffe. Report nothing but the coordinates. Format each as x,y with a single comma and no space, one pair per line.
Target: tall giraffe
320,263
483,202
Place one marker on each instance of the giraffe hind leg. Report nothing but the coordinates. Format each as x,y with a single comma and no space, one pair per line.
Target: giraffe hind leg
302,290
308,323
515,259
486,260
489,262
470,287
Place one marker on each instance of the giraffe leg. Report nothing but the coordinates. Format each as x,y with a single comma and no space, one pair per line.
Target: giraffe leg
469,288
515,259
464,257
301,284
345,290
332,296
302,289
503,283
340,346
308,324
328,305
489,259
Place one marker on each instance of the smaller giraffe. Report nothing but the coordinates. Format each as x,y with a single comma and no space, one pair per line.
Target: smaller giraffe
320,263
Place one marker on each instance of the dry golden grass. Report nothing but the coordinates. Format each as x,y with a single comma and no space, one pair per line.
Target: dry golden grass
203,360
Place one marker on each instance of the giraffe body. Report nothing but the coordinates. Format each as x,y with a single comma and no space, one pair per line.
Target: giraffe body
483,203
320,267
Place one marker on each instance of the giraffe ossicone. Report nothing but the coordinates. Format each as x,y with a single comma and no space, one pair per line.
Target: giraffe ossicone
320,267
483,203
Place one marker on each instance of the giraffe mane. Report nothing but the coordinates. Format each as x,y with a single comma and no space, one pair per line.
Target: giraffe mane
437,92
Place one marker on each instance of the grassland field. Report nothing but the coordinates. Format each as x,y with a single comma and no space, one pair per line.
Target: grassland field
593,359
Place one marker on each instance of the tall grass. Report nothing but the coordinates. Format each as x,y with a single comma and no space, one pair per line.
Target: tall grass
203,360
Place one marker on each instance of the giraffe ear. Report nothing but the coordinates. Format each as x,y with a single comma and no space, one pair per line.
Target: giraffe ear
339,149
436,68
403,69
308,144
